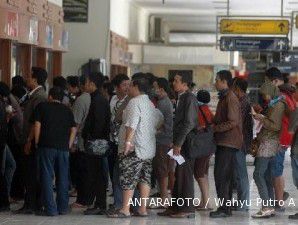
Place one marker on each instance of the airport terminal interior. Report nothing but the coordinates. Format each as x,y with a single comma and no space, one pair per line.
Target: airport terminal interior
222,50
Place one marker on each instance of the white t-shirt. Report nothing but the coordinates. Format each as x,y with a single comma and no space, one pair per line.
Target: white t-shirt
141,115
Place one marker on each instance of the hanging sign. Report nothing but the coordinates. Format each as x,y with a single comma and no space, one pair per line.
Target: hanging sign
254,44
233,26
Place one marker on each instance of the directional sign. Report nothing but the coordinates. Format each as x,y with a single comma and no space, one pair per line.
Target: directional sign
289,57
286,67
230,26
254,44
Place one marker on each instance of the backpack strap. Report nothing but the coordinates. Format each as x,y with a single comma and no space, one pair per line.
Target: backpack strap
204,116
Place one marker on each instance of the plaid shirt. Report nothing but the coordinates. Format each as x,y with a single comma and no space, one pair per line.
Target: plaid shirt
247,122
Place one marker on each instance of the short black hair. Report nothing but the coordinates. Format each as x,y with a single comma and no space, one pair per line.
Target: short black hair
286,77
150,77
40,75
4,89
106,78
185,78
164,84
18,81
82,79
96,78
274,73
56,93
203,96
142,84
117,80
109,87
60,82
73,81
240,83
225,75
138,76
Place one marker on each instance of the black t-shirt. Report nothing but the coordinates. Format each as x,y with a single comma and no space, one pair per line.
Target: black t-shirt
56,122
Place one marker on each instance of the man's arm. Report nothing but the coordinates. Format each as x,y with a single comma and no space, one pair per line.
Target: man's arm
35,117
131,125
72,137
190,121
129,133
274,121
37,126
234,116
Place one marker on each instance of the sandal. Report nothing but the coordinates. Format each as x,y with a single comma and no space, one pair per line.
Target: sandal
157,207
183,215
199,208
118,214
78,206
137,214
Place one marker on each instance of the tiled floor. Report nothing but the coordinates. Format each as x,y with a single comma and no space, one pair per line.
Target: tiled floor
76,217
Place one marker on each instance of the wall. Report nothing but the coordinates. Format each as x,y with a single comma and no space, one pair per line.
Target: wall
88,40
129,20
203,75
119,17
57,2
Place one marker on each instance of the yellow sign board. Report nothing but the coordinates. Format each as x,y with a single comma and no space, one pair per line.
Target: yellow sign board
231,26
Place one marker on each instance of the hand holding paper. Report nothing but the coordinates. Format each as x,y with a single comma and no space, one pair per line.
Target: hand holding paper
179,159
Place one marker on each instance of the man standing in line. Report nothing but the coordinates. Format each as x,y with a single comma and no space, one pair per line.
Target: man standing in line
55,131
35,83
117,105
186,119
229,139
80,111
97,127
163,165
240,172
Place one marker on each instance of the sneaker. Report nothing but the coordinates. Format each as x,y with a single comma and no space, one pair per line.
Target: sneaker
219,213
294,217
264,213
280,209
286,195
4,209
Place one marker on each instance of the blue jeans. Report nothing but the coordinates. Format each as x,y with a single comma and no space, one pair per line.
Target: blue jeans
242,178
279,162
294,164
10,168
117,190
54,163
263,178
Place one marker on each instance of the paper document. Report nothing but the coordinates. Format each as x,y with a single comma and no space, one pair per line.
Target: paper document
179,159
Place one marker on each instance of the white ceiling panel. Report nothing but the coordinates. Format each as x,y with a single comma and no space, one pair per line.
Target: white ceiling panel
237,7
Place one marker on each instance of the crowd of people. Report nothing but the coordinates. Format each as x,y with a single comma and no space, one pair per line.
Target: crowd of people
87,132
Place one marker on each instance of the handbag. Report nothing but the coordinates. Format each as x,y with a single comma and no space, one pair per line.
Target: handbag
97,147
200,142
253,151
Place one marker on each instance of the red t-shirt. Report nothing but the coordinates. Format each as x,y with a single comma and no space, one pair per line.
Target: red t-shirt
208,114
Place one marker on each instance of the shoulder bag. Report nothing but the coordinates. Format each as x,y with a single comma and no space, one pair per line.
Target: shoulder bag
200,142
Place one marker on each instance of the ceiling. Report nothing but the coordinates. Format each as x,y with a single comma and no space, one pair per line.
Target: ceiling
200,15
237,7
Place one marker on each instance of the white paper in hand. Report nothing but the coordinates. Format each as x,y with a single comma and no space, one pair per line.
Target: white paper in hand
179,159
